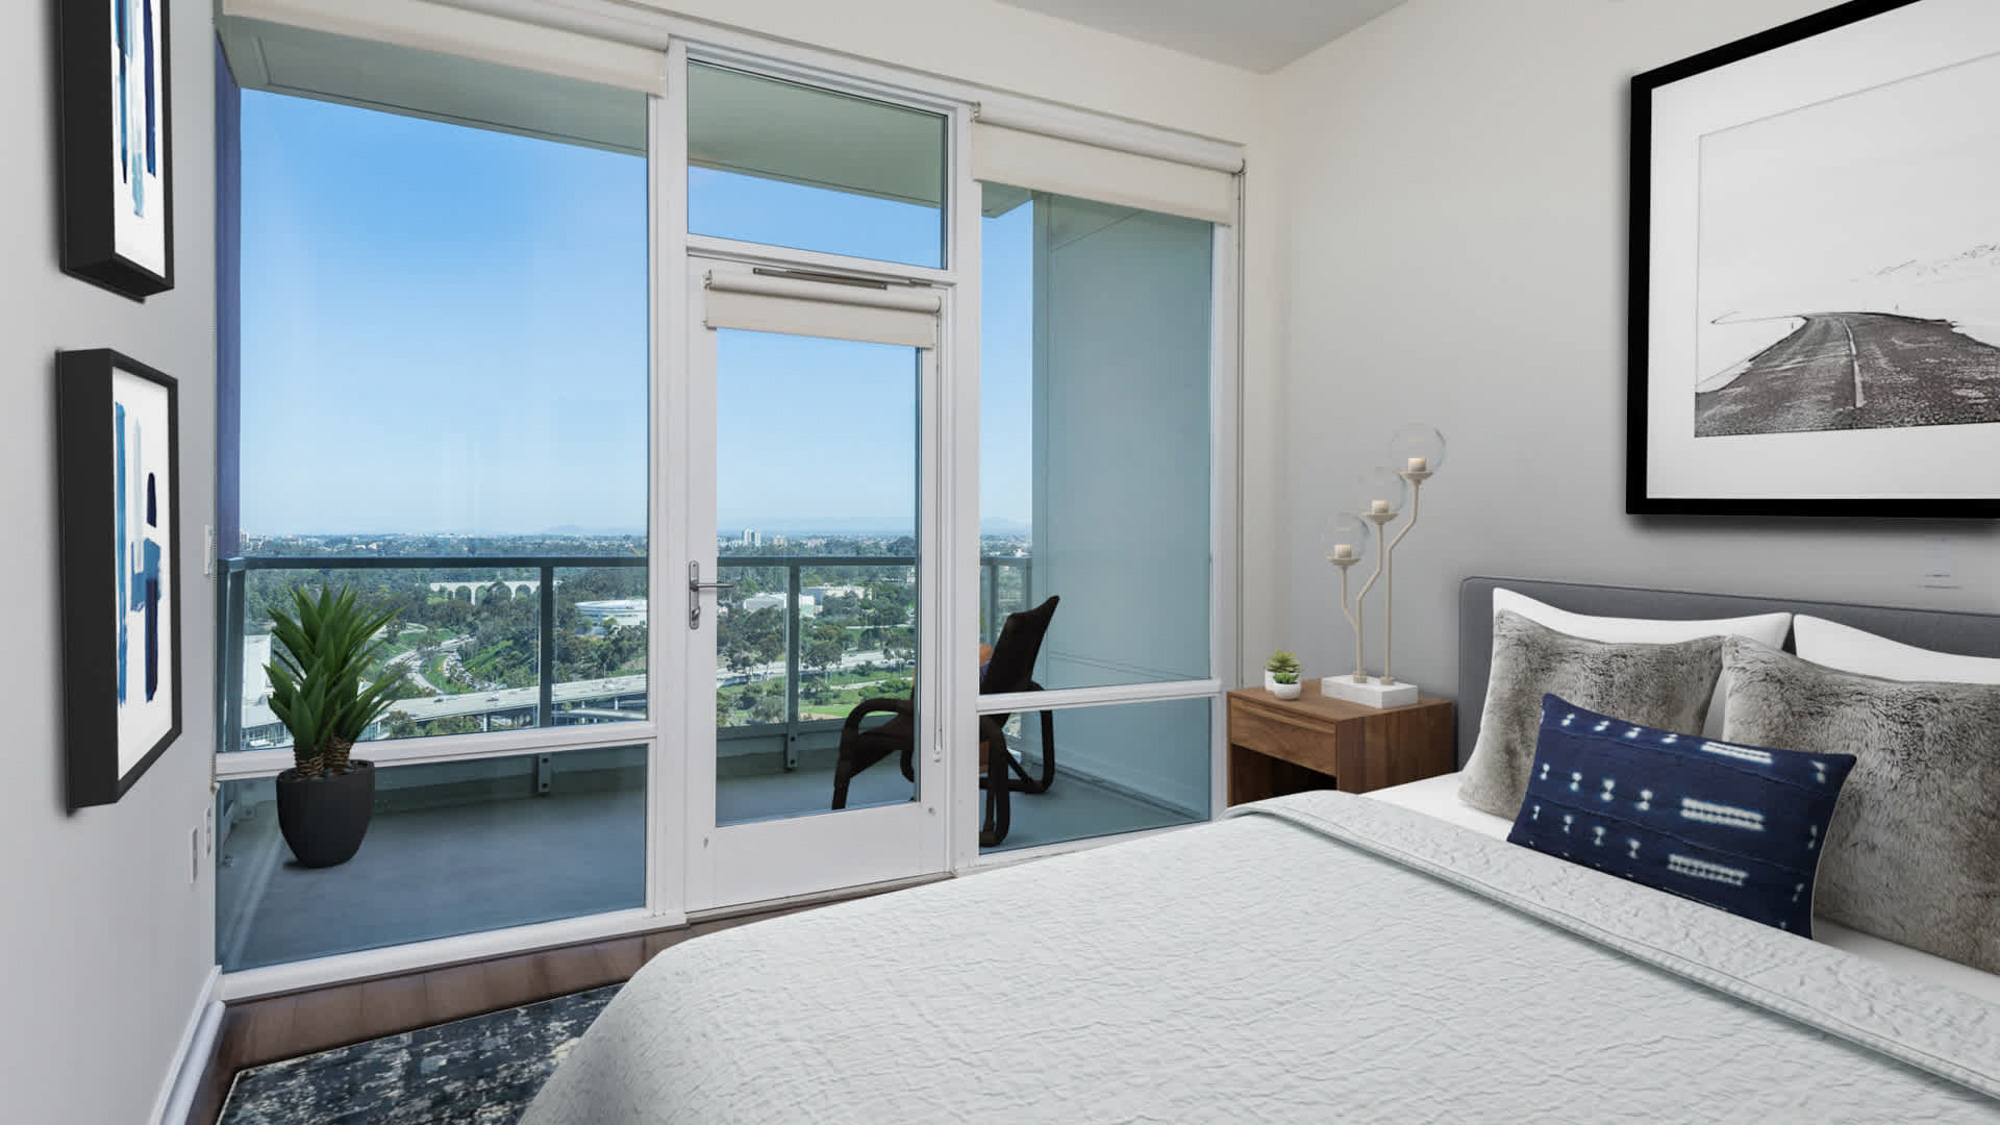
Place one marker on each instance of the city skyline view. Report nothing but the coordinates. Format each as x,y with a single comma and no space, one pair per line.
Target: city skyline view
481,352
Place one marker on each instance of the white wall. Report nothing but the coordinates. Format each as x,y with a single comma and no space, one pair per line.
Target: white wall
1458,256
104,941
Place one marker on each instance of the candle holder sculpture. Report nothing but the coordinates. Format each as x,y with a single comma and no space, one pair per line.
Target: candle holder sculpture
1417,452
1346,542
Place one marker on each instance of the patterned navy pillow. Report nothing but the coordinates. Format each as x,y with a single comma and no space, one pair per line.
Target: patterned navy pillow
1736,827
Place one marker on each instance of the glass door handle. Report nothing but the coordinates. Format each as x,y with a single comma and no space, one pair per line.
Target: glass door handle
695,587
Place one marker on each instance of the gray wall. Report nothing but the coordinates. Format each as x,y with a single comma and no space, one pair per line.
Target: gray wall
105,941
1456,204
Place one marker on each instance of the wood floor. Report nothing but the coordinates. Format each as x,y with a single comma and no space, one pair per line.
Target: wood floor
255,1032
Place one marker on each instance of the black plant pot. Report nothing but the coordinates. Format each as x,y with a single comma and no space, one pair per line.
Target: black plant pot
324,818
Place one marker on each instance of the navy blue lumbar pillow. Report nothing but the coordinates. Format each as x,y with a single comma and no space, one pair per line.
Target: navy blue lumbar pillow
1737,827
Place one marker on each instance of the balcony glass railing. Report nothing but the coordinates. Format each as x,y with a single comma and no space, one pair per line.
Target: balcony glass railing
483,643
504,643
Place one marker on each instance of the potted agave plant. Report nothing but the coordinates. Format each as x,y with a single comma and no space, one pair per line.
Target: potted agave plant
1281,675
321,652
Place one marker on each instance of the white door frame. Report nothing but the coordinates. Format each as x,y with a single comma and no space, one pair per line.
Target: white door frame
771,860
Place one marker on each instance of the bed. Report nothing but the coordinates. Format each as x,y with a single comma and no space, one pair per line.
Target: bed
1317,957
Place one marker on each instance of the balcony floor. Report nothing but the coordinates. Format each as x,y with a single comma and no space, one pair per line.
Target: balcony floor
439,872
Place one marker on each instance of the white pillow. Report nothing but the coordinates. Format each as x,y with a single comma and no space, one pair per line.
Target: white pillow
1765,628
1848,649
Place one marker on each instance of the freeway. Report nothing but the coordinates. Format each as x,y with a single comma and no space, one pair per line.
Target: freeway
1857,370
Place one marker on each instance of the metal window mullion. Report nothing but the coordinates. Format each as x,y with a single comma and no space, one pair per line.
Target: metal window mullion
390,754
545,711
235,581
990,570
1064,699
792,644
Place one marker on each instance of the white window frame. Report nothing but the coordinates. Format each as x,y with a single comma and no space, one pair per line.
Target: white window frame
1224,521
958,497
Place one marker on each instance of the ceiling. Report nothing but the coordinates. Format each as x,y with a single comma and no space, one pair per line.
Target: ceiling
1259,35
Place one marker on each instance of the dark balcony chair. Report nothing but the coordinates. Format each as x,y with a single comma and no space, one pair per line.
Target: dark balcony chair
1009,670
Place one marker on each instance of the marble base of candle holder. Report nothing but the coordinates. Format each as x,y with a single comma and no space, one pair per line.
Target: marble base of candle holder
1371,692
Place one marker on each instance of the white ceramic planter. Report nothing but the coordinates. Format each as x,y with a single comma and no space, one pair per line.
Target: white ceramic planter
1286,691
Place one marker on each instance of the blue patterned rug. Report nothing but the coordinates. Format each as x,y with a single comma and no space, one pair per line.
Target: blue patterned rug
479,1071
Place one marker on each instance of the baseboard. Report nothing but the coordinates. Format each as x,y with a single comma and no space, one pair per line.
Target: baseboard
191,1055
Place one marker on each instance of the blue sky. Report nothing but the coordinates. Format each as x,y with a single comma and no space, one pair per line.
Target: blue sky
445,330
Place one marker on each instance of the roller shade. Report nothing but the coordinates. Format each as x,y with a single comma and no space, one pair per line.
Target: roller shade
447,30
759,303
777,130
1043,161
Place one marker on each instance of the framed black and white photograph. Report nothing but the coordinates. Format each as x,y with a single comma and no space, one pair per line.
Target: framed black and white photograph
118,487
117,145
1815,290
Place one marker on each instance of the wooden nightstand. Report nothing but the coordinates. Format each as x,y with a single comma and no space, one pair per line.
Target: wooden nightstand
1278,746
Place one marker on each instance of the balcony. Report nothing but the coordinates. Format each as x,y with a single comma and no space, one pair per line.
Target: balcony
462,846
526,659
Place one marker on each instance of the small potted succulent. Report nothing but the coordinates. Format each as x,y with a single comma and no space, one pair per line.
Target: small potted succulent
1281,675
321,653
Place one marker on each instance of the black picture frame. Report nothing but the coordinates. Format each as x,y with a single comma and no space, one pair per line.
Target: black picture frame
1642,420
116,152
112,640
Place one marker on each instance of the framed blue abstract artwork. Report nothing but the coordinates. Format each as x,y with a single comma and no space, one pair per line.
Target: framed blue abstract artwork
118,472
117,145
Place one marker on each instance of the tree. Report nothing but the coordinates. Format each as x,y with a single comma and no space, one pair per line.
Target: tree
899,645
823,648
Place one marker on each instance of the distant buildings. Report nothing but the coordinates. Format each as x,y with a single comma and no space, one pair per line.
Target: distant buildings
808,605
822,593
622,612
752,537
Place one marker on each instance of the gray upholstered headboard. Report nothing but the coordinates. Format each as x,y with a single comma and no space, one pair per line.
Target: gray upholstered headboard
1975,634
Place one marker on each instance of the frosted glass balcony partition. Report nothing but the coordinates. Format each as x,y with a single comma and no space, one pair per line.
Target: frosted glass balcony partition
1096,384
1119,768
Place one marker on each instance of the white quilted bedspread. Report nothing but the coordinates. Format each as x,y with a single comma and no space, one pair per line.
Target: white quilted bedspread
1322,959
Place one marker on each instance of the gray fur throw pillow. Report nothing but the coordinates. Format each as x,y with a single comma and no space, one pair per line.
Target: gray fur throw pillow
1663,686
1913,852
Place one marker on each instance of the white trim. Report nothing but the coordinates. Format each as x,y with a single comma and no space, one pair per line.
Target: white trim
959,493
1108,175
794,316
764,285
346,968
764,254
666,828
1007,703
1099,131
1225,495
737,864
175,1100
245,764
453,30
816,898
755,56
989,861
626,22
